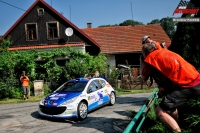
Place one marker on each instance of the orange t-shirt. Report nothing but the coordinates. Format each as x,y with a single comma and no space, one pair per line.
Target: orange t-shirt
173,66
25,81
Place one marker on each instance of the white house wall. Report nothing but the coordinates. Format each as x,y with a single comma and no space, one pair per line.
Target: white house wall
111,60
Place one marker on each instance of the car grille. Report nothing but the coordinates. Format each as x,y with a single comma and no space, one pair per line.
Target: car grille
52,111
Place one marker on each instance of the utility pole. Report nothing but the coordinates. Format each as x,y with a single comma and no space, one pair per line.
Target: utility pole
131,10
70,11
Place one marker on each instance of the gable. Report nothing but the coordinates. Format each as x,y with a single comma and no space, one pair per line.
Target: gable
18,31
126,39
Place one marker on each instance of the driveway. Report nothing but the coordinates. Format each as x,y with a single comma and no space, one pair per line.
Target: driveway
23,118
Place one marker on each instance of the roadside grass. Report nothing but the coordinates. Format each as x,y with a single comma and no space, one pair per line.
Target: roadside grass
123,92
38,98
21,100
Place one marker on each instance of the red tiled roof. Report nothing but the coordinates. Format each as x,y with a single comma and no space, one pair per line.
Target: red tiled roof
56,12
48,46
124,39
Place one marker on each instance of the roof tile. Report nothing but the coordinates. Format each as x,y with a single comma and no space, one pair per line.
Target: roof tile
122,39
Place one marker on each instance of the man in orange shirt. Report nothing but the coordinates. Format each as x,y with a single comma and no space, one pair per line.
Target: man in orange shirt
179,79
147,39
25,84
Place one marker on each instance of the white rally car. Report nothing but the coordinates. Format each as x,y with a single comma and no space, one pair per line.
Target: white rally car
75,98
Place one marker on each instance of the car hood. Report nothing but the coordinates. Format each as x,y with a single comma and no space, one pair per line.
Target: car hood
58,98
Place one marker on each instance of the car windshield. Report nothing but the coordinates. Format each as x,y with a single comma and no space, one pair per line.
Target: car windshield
73,87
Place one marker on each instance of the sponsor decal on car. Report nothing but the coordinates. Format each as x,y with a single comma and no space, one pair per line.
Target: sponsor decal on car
106,90
62,95
54,98
100,98
53,95
82,95
91,97
69,112
56,95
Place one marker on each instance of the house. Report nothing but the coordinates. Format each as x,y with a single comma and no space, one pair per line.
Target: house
41,27
122,44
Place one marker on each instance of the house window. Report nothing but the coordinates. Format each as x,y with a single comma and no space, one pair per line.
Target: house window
52,30
31,32
40,11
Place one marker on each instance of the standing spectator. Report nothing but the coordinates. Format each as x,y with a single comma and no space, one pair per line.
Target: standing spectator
25,84
179,79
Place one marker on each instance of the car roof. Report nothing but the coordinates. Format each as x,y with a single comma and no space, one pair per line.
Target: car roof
82,79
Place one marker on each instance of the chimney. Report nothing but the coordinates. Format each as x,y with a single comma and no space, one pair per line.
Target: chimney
89,25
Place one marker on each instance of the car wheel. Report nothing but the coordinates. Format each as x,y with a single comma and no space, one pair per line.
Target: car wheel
82,110
112,98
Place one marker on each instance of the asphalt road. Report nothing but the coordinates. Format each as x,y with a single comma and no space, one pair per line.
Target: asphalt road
24,118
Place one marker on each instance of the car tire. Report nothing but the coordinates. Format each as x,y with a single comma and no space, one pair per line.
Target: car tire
82,110
112,98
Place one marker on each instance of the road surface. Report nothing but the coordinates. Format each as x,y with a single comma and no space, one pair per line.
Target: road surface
24,118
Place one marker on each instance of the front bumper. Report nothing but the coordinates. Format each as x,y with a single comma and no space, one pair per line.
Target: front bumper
57,112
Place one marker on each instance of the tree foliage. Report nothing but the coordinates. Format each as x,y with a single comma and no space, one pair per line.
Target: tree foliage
186,39
108,25
155,21
130,22
167,24
125,23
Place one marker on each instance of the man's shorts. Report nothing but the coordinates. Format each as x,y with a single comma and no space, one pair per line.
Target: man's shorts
179,97
25,89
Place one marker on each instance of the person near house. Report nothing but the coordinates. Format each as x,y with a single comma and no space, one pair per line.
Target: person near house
180,80
158,46
25,84
147,39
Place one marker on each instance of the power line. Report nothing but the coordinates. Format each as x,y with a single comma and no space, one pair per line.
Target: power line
12,5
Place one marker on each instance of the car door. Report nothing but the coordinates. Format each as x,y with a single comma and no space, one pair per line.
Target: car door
101,91
92,96
105,90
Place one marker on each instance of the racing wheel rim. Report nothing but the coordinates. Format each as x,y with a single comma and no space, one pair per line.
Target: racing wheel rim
112,98
83,110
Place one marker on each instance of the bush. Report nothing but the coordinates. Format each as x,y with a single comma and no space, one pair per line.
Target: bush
13,62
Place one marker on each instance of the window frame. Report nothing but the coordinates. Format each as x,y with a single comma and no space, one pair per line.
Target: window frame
27,34
57,27
40,9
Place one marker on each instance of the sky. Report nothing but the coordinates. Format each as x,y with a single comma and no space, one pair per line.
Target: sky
97,12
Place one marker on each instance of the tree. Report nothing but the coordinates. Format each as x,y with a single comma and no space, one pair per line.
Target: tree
167,24
186,39
5,43
125,23
130,22
108,25
155,21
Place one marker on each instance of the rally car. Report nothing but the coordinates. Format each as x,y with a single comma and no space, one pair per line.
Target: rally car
77,97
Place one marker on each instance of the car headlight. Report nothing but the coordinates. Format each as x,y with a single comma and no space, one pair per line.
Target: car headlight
42,102
69,101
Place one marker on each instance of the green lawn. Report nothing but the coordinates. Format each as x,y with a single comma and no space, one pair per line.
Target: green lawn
122,92
31,99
